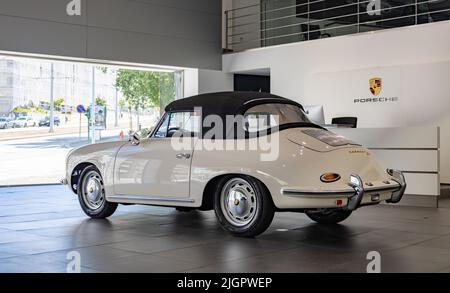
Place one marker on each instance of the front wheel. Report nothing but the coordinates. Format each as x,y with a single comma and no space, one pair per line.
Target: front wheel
243,206
91,195
328,216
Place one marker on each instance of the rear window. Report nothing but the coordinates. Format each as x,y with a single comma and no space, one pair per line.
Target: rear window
328,137
266,116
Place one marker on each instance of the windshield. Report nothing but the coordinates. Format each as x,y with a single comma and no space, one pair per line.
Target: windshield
271,115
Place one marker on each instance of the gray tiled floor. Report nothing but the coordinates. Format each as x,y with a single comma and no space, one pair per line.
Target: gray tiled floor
40,225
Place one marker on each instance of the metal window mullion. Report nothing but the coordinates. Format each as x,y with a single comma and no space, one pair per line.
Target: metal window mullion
265,24
358,17
226,29
308,19
416,11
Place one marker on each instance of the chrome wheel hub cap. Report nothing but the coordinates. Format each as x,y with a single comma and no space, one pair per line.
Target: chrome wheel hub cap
238,202
93,192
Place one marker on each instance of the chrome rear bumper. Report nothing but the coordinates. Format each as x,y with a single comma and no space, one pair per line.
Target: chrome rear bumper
356,191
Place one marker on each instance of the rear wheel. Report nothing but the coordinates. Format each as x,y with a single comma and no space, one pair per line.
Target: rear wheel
328,216
91,195
243,206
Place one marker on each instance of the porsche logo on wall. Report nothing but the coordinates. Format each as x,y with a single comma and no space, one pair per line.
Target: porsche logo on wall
375,85
375,89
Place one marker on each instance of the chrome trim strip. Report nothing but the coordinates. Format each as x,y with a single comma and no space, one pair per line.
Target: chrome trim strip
316,193
404,149
420,172
328,193
381,188
150,199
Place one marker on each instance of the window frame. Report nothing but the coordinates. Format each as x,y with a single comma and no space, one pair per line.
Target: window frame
169,115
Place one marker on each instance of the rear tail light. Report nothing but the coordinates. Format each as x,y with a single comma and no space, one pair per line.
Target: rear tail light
330,177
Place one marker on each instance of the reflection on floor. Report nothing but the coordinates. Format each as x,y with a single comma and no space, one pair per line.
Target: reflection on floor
40,225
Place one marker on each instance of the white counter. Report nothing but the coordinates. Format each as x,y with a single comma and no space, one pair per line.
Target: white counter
413,150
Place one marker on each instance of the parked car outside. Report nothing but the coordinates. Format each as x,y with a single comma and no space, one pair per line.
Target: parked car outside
24,121
46,121
10,123
4,123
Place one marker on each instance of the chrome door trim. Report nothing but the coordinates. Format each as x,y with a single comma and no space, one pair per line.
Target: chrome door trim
118,198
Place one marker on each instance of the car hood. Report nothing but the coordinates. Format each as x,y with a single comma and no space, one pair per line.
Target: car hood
318,139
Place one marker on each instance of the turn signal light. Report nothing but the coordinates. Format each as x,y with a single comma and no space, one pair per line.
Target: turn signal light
330,177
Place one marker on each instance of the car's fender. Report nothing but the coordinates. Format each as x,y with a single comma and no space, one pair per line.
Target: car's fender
101,155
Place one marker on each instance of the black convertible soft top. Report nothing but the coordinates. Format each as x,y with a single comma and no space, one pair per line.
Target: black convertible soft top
226,103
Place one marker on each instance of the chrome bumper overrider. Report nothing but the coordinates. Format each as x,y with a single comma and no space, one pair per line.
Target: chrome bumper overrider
400,179
355,193
355,201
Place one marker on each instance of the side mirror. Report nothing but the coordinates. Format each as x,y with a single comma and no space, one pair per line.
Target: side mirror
135,138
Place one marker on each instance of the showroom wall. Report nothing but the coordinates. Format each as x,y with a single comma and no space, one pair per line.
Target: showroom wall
185,33
201,81
412,62
214,81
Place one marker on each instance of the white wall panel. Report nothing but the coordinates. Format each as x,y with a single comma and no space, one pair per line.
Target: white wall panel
399,138
410,160
422,184
413,150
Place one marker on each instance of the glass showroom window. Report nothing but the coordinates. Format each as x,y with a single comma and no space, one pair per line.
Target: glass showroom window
48,108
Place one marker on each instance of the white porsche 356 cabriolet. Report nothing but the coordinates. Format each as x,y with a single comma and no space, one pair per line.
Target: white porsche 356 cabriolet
313,170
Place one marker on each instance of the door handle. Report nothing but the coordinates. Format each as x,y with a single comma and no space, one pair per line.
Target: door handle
183,156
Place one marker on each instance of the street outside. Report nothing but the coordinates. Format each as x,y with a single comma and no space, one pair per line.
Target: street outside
40,160
35,156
